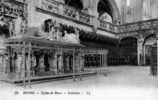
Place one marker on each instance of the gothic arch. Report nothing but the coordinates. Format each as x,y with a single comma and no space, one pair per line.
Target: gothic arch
111,8
128,41
149,41
128,49
149,37
78,4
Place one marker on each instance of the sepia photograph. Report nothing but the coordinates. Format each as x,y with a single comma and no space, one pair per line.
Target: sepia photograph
79,49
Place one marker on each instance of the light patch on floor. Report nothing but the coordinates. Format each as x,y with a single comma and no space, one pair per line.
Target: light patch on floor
116,83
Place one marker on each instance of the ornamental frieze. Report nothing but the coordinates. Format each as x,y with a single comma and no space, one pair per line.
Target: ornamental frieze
11,9
49,5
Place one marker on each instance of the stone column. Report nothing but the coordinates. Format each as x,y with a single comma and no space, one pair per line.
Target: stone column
93,11
74,65
86,3
29,64
19,64
140,51
55,63
157,53
60,61
94,7
82,60
23,70
144,55
78,66
105,58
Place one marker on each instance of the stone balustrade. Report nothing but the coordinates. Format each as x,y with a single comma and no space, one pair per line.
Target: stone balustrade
108,26
85,18
61,9
58,8
70,12
11,10
49,5
139,26
130,27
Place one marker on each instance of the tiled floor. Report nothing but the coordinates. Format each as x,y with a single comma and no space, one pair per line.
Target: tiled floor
137,77
121,82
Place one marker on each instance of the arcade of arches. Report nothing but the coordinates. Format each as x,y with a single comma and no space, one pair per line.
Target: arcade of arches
129,50
106,10
137,49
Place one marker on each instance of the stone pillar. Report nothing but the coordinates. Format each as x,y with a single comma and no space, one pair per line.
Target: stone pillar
93,11
86,4
94,7
90,6
23,70
60,61
55,63
140,51
78,66
105,54
82,61
144,55
157,53
41,64
19,64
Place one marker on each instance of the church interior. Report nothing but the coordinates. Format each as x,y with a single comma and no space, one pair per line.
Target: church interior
54,38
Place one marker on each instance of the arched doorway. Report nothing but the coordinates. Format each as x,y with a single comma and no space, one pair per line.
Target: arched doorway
128,50
110,8
77,4
148,43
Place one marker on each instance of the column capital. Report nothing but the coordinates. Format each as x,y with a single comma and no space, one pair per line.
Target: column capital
157,35
140,40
